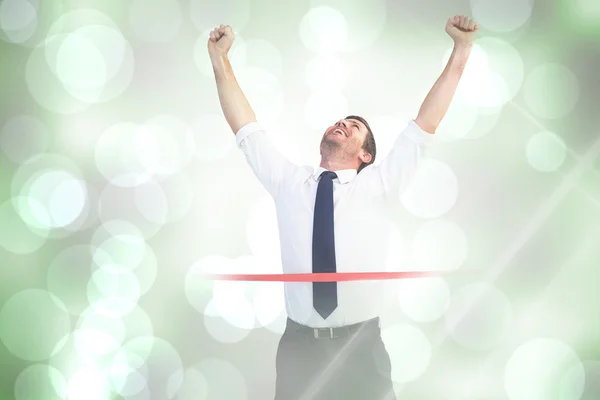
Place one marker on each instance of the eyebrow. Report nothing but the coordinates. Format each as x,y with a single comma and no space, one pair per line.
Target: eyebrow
357,122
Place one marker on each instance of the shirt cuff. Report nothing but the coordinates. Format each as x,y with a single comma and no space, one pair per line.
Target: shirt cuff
245,131
418,135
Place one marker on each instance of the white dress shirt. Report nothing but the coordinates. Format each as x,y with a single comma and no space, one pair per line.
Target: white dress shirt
361,228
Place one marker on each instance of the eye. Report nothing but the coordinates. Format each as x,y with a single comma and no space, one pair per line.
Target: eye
356,126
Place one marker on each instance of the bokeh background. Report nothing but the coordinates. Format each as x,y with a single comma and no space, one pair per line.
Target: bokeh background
120,186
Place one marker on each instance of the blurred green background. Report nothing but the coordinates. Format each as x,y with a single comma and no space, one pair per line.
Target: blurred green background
120,185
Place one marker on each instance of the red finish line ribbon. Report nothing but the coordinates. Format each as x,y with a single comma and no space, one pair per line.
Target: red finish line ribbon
322,277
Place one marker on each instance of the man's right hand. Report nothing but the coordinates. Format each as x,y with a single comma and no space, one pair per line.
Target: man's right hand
234,104
220,40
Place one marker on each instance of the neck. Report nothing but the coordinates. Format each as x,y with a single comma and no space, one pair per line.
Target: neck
334,159
332,165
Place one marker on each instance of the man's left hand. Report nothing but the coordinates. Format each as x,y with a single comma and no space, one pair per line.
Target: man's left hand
462,29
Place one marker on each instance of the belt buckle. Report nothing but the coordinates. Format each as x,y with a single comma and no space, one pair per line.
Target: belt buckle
317,330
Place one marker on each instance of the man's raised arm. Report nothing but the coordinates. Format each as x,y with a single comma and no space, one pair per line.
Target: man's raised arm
270,167
462,30
398,168
236,108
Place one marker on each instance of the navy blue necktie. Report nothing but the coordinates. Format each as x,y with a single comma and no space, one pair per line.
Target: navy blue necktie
323,254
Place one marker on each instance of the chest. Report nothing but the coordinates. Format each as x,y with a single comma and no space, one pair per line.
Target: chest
353,208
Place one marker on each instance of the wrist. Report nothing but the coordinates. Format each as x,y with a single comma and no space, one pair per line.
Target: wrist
463,46
219,61
218,57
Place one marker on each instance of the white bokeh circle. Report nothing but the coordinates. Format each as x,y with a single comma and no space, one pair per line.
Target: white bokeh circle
165,201
551,90
79,64
493,74
121,247
194,386
106,328
84,60
113,290
94,63
269,306
165,144
544,369
423,299
198,288
487,119
591,390
459,121
18,20
137,323
324,29
21,238
42,184
40,381
52,199
219,327
409,349
151,201
88,383
433,191
117,156
44,86
151,359
93,345
230,302
128,375
546,151
440,245
365,20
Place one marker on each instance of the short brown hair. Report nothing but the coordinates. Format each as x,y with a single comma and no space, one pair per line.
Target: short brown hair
369,144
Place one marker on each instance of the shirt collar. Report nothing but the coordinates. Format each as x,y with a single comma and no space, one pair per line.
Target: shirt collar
344,175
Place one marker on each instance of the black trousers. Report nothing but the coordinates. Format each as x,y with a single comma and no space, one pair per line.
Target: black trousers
354,365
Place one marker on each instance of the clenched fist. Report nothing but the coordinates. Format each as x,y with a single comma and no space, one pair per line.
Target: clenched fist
220,40
462,29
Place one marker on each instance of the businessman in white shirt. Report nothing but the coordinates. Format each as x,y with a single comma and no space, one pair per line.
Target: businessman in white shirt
328,219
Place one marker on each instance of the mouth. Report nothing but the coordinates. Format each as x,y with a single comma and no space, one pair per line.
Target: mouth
339,131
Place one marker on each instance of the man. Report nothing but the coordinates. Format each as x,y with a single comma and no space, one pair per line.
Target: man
332,346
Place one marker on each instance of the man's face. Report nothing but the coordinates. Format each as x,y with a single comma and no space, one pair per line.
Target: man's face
347,135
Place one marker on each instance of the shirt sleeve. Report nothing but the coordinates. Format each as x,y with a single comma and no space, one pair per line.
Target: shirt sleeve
268,164
393,174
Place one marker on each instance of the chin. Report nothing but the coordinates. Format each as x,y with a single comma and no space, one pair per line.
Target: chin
328,139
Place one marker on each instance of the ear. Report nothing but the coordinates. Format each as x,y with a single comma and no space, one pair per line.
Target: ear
365,157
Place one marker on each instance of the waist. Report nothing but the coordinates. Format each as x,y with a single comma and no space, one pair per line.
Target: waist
371,326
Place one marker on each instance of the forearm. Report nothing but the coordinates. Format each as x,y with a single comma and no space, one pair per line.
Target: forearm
234,104
440,96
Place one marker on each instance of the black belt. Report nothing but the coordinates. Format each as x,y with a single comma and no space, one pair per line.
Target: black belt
332,333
